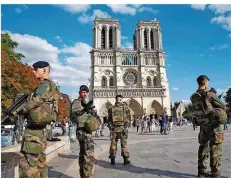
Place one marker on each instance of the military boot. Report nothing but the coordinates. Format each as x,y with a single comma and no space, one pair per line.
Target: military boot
126,161
112,161
203,174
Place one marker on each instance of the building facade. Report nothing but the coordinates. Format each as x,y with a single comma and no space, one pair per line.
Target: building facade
138,74
178,109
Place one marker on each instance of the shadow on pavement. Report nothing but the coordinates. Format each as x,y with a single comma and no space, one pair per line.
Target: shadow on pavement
69,156
101,138
55,174
140,170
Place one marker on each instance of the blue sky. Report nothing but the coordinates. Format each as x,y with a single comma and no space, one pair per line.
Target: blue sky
196,39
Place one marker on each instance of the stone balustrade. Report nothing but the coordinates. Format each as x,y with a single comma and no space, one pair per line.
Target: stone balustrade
126,92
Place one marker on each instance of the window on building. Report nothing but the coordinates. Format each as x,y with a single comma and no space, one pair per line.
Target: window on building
103,38
148,81
110,38
145,39
111,82
155,81
146,61
152,39
104,82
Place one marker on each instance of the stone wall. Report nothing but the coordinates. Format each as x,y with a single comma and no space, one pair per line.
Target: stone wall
10,156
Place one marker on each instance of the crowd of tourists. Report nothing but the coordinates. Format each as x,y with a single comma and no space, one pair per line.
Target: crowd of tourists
149,124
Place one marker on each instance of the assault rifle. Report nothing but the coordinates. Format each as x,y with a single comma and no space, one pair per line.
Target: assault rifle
215,91
88,107
220,95
16,106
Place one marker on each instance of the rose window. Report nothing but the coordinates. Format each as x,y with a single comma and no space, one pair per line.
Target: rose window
130,78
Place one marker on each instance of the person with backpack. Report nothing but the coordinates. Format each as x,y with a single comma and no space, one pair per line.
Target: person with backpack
210,111
118,116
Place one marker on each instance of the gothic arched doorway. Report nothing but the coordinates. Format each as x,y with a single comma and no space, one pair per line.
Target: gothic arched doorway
135,108
155,108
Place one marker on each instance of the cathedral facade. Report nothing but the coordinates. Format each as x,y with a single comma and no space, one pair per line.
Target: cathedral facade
139,74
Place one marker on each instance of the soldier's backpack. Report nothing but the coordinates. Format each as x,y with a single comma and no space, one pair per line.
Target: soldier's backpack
92,124
118,115
220,115
88,122
199,108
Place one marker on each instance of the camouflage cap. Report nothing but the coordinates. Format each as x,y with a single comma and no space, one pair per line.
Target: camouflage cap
83,88
40,64
201,78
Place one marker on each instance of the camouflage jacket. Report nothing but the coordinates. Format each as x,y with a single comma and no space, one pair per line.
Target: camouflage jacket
126,120
77,111
42,105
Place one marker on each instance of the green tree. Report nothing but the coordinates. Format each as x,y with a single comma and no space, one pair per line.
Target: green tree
228,101
188,111
9,46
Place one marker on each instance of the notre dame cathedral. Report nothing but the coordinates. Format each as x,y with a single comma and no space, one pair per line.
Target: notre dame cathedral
138,74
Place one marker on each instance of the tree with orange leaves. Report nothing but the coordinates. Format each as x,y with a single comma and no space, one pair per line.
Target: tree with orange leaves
17,78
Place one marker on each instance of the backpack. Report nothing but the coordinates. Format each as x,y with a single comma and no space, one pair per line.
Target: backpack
118,115
199,108
55,97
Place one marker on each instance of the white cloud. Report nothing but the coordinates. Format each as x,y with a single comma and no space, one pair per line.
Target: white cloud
186,101
75,8
136,5
199,6
175,89
96,13
58,38
130,9
222,12
21,8
76,70
223,20
123,9
219,47
220,9
35,48
147,9
124,37
128,45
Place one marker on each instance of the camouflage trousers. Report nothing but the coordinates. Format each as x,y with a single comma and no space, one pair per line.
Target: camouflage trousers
210,141
123,136
32,162
86,156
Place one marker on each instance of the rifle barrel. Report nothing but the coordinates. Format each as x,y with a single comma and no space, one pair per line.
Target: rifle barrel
5,118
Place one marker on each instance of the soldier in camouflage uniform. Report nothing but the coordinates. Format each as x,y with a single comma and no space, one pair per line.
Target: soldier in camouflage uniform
41,108
210,111
86,154
119,119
